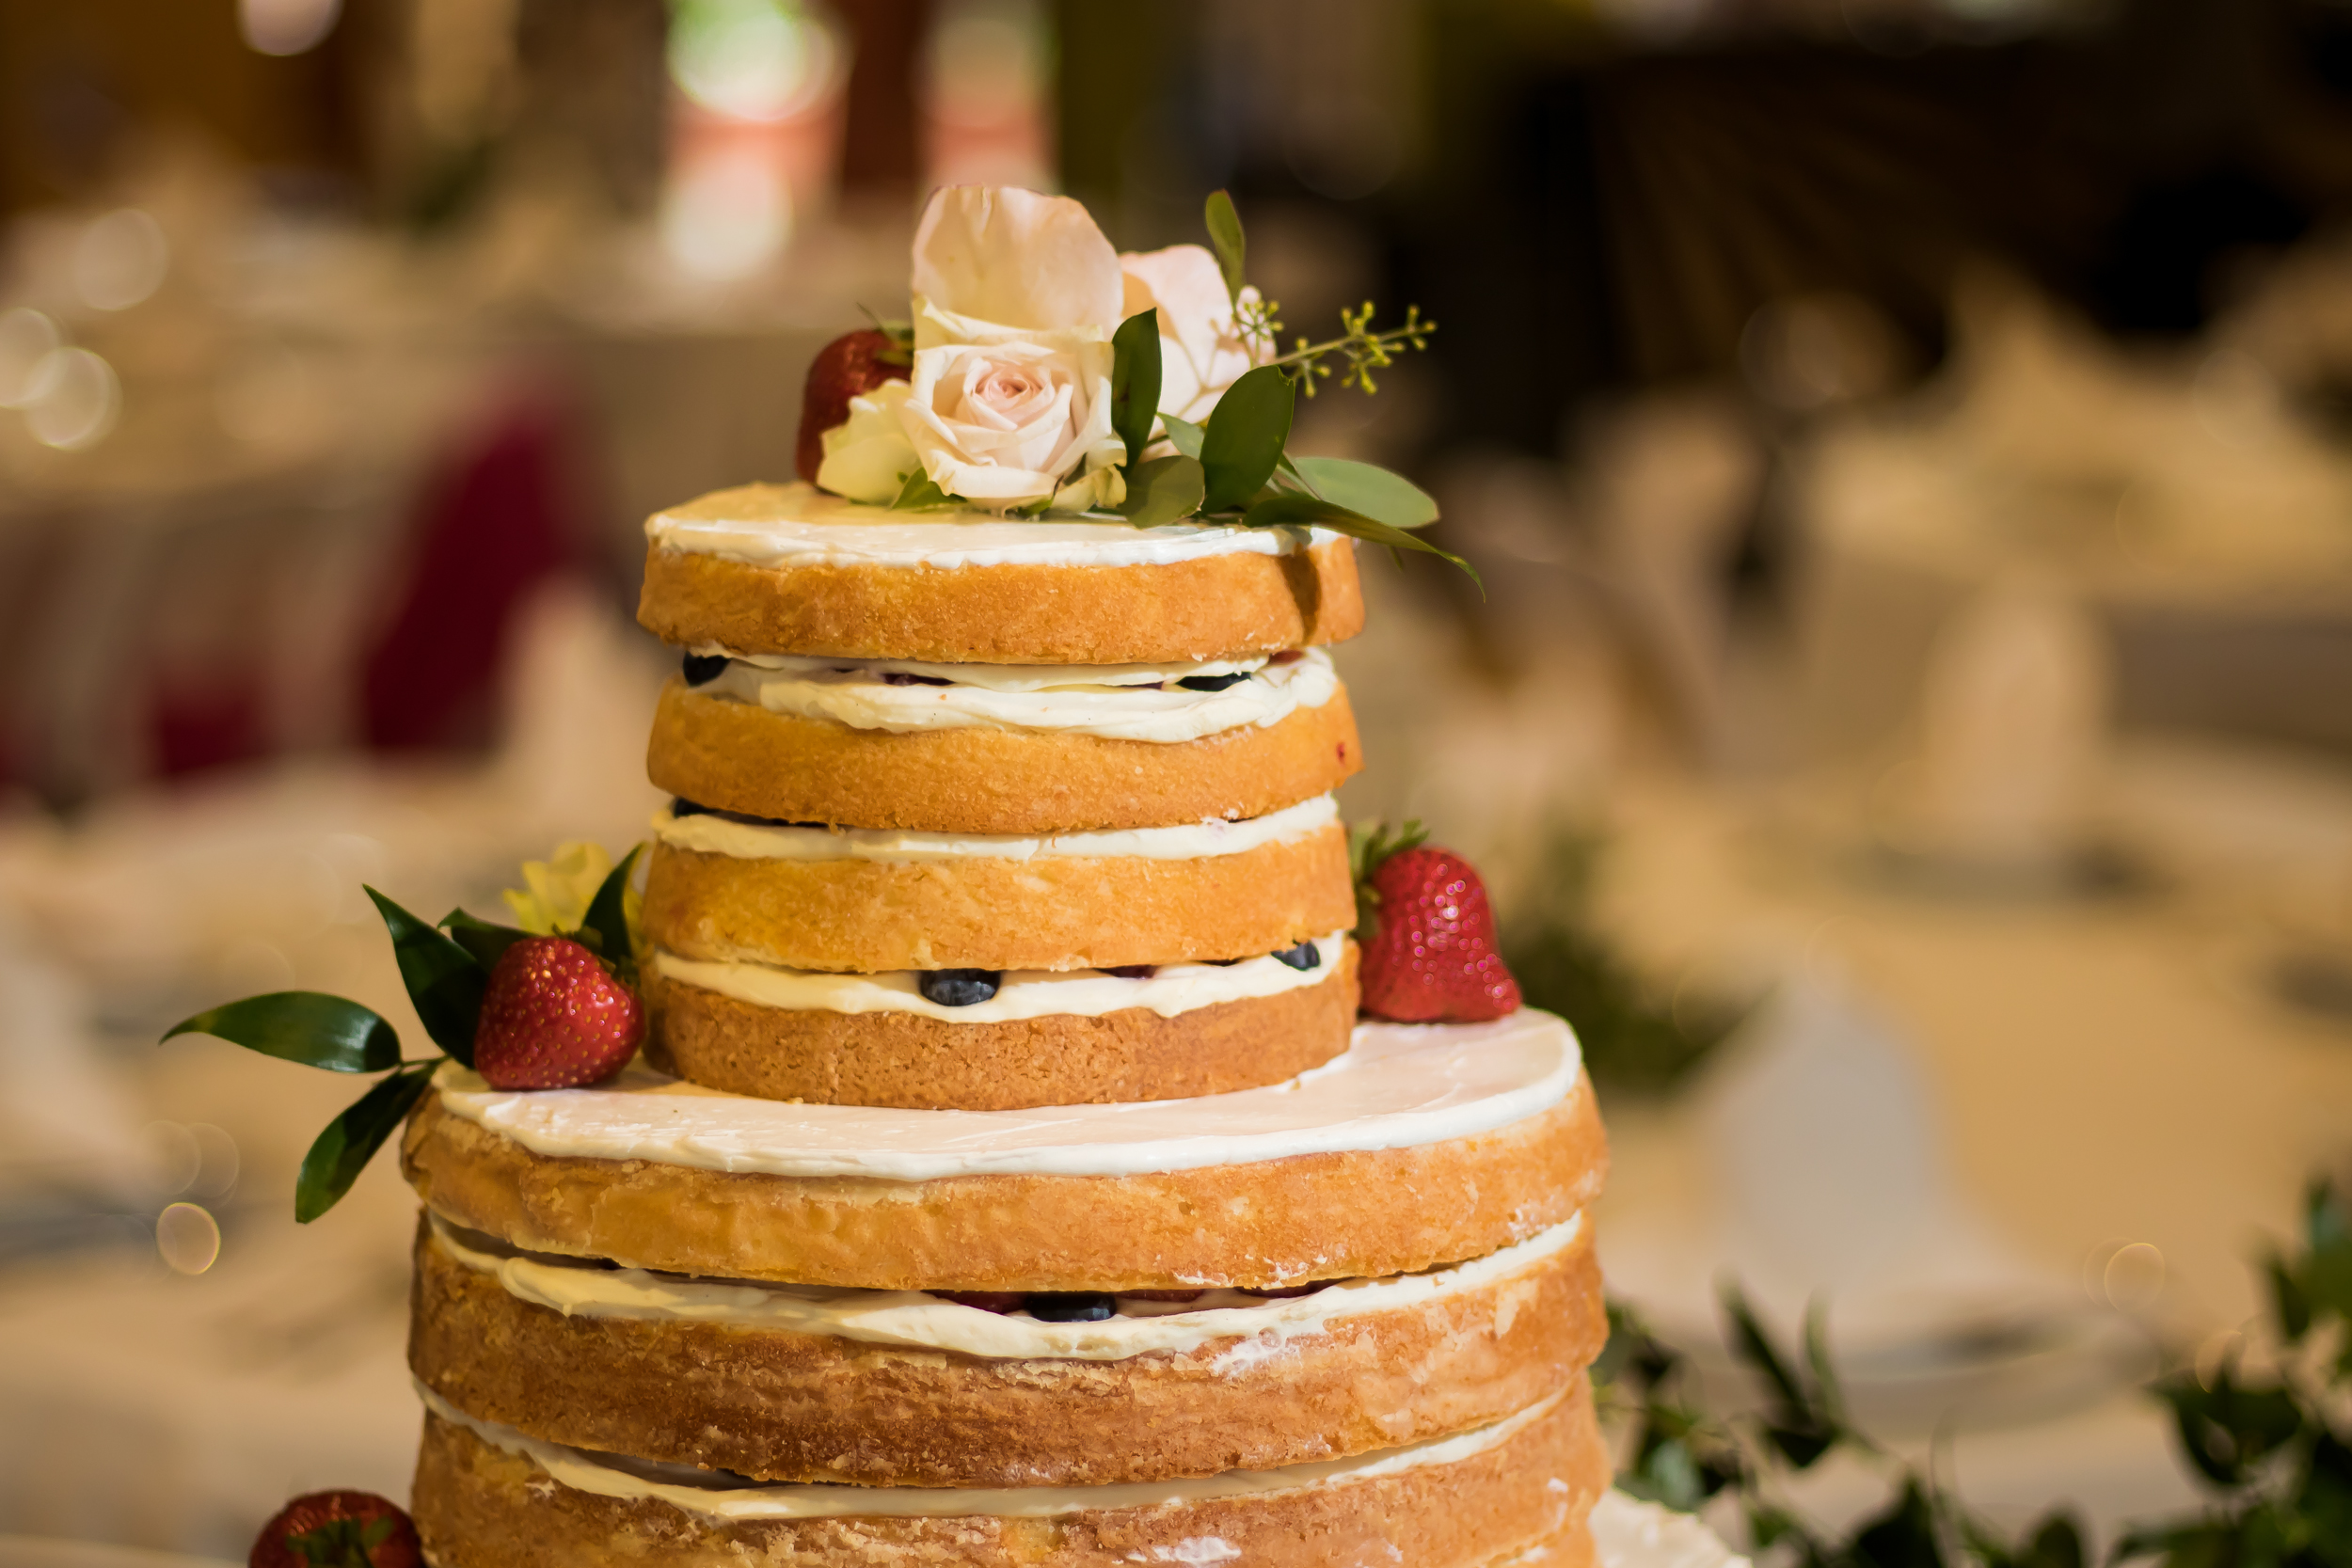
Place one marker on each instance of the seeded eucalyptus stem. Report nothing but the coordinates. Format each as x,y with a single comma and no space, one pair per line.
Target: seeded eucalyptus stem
1365,350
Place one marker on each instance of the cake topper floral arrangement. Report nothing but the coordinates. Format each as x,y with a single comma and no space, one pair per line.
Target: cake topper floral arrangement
1043,373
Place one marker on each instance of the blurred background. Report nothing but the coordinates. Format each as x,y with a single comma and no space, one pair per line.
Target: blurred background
1907,445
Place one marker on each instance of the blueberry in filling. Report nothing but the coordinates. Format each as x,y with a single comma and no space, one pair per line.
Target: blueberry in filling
681,806
959,988
1213,683
1133,971
899,677
1070,1306
702,669
1301,957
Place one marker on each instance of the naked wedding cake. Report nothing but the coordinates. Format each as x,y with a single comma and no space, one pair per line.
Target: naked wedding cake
1048,1146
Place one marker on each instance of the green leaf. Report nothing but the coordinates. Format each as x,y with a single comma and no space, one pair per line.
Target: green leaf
1163,491
1368,491
1298,511
1829,1398
1135,382
443,979
1245,436
1185,435
1903,1535
1227,240
608,918
343,1151
2055,1542
486,941
305,1027
1798,1429
2290,1304
918,494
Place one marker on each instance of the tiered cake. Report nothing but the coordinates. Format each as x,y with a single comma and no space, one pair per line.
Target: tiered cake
1007,1179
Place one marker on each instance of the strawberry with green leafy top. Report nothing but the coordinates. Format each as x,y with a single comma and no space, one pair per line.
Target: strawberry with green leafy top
338,1529
1427,933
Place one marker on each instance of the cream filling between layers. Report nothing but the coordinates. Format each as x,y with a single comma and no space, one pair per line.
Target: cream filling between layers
799,525
734,1499
1260,1327
715,833
1076,702
1019,993
1399,1085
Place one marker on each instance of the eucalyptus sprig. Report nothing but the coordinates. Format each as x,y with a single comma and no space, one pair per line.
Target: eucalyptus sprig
446,969
1365,349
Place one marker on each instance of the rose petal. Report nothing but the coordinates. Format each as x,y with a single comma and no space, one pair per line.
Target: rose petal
1013,257
867,456
1184,282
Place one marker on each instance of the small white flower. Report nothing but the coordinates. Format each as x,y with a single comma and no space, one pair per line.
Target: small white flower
867,456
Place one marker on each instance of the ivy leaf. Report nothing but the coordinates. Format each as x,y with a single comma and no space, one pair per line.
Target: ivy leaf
1368,491
2227,1428
2056,1543
1135,382
1902,1536
444,980
2290,1304
1163,491
1227,240
1244,438
918,494
1299,511
607,919
1186,436
1667,1475
2327,1272
486,941
305,1027
343,1151
1798,1429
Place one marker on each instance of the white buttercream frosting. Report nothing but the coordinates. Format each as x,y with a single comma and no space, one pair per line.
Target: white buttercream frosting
733,1499
1399,1085
1255,1327
799,525
1169,989
1065,698
743,838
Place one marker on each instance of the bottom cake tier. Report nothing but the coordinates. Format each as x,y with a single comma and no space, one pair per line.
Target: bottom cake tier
1516,1491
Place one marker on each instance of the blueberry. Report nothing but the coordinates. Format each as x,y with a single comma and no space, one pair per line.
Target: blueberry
681,806
702,669
1070,1306
899,677
1133,971
959,988
1213,683
1301,957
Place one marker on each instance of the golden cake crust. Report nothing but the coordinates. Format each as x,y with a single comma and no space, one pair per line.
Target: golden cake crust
984,912
782,1405
972,779
1367,1213
921,1063
1191,611
478,1507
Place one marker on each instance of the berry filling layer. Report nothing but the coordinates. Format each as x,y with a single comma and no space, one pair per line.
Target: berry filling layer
1162,704
1071,1326
686,826
1001,996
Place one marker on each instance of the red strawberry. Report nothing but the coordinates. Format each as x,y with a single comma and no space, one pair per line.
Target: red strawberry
847,367
1432,959
553,1017
338,1529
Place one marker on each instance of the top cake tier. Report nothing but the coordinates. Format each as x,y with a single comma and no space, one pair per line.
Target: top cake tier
789,569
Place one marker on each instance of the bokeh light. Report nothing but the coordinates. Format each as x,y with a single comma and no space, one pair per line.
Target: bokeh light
751,59
188,1237
121,260
27,338
726,213
286,27
72,400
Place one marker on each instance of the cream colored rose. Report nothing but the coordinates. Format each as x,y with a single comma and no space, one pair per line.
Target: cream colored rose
1010,423
867,456
1200,353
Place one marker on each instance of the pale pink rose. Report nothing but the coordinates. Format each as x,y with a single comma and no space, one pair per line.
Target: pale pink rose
1007,423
